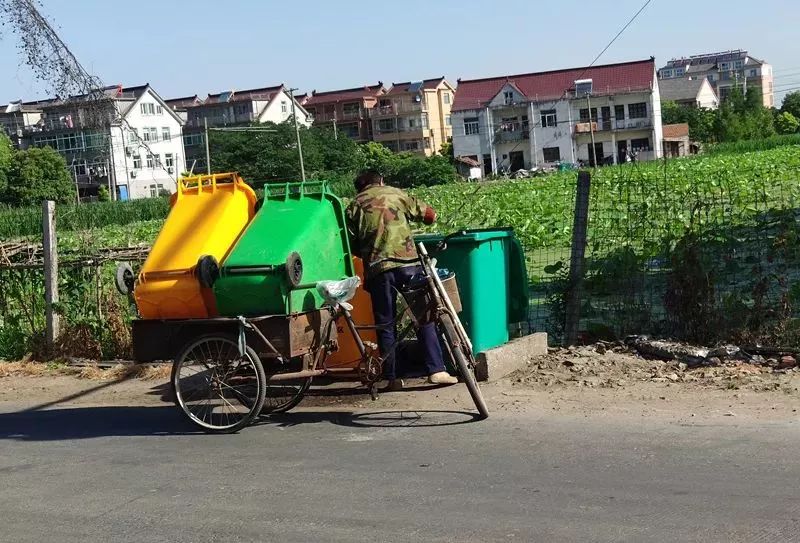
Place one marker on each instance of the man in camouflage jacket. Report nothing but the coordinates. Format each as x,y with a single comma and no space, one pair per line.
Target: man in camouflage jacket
378,222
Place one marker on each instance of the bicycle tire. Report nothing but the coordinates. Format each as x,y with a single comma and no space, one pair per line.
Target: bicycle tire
254,408
465,364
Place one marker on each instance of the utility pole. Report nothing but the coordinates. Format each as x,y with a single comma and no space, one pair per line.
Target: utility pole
208,152
591,128
297,133
335,131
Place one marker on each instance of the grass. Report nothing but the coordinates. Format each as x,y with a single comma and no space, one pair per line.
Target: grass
747,146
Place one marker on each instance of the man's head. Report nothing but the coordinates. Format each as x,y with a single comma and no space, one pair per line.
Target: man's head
366,179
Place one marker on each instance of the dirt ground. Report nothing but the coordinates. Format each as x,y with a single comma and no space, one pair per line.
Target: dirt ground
586,382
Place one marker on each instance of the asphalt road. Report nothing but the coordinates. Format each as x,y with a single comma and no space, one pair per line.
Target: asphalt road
141,474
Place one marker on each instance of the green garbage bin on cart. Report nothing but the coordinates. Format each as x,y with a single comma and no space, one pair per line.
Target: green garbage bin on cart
492,282
297,237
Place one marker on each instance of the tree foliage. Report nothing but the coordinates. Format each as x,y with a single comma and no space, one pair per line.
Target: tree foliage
268,156
786,123
742,116
6,156
791,104
38,174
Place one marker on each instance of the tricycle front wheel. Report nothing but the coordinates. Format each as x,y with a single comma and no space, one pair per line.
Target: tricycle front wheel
216,387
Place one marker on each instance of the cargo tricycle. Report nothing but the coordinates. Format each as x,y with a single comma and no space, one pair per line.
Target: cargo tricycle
266,306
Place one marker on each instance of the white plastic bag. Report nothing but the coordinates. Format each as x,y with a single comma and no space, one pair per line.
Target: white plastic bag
338,293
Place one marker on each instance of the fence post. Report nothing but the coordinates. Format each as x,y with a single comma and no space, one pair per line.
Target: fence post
576,262
50,271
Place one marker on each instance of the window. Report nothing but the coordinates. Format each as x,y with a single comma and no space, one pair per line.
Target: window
143,109
150,134
284,107
240,109
133,137
169,160
738,65
753,73
679,72
585,115
386,124
470,126
448,121
725,66
411,145
666,74
165,133
412,123
637,111
552,154
446,98
549,118
427,143
619,112
157,159
509,124
148,109
149,162
155,190
159,109
508,97
192,139
642,144
726,76
137,161
711,77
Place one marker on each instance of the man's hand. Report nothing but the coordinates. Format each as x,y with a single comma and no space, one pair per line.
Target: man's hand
430,216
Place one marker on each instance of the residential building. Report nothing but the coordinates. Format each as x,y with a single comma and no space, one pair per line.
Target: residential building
414,116
724,70
346,110
676,140
16,116
598,114
182,105
691,92
125,138
236,108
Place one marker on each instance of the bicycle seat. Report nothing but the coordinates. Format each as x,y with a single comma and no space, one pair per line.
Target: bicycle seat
340,292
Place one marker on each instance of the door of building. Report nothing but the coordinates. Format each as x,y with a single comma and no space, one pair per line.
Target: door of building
622,152
598,152
517,160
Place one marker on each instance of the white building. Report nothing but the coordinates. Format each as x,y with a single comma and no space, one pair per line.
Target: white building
522,121
231,108
690,92
134,147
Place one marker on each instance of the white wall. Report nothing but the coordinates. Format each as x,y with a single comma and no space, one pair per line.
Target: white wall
707,97
140,180
275,113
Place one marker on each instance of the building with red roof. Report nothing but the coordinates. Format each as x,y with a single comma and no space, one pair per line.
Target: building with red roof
414,116
597,114
346,110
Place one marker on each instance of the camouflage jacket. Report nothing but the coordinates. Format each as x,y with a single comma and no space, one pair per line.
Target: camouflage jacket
378,222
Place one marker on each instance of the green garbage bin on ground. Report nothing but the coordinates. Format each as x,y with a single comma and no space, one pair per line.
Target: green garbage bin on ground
298,237
492,282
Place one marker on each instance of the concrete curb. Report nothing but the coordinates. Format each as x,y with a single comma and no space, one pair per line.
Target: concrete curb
496,363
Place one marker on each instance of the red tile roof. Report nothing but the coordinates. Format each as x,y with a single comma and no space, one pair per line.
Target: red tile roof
356,93
680,130
608,79
264,93
427,84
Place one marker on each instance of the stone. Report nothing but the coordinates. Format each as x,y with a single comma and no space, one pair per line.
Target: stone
787,362
500,361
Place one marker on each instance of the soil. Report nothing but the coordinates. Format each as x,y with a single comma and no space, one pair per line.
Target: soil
584,382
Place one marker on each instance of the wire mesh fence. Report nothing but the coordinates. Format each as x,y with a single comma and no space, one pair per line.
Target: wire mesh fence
700,256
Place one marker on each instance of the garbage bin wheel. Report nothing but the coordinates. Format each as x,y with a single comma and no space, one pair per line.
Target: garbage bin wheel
294,269
207,271
124,278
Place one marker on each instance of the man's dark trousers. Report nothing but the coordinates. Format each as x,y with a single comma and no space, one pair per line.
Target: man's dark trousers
383,290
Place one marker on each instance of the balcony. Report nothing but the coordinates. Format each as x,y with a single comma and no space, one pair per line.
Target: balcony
607,125
416,130
512,136
399,108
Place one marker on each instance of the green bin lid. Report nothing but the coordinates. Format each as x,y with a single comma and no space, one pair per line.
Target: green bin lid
473,235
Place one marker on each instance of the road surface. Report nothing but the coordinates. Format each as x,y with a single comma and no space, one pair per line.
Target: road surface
141,474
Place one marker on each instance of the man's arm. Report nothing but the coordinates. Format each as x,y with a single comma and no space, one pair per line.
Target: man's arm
419,211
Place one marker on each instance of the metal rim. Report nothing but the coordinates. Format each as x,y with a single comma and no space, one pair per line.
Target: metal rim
216,387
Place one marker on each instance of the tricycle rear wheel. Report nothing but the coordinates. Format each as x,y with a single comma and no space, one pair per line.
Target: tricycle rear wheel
216,387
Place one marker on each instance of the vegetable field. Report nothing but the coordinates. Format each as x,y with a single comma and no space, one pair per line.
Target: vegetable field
704,248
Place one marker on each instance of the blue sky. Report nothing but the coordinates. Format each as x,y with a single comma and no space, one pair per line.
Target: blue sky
203,46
